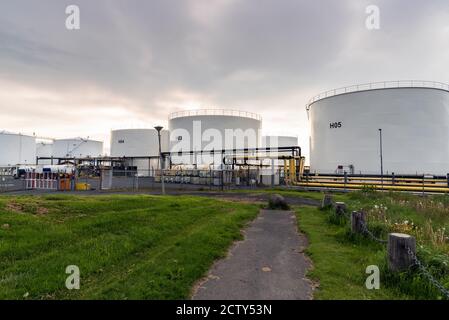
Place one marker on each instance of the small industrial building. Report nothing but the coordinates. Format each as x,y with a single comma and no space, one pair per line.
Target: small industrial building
279,141
139,143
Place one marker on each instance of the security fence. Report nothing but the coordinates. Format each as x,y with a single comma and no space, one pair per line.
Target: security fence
9,183
140,179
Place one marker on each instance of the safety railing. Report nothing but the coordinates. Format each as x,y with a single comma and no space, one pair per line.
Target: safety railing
424,185
379,85
214,112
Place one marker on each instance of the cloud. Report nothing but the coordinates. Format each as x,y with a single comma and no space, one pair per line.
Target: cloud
137,61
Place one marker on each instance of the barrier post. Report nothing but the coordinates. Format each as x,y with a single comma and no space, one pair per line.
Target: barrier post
328,201
340,209
401,250
358,222
345,179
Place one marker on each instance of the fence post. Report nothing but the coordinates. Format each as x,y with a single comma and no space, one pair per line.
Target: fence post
327,201
358,222
345,179
401,250
340,209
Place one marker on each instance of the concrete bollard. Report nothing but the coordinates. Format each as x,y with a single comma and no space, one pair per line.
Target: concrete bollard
358,221
328,202
399,257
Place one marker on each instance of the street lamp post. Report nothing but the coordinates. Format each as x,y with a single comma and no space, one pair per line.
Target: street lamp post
159,129
381,160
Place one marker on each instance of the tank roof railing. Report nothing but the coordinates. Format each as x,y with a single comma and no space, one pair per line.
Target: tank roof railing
379,85
214,112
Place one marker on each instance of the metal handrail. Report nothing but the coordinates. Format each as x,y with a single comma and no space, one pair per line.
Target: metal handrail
214,112
379,85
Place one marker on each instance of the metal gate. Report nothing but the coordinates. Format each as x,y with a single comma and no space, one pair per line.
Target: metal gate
43,181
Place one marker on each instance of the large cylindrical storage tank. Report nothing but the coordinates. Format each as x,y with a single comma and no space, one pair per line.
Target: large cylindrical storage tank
414,122
16,149
212,129
45,150
77,148
139,143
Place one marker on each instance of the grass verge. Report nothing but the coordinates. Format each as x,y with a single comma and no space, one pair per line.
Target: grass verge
339,264
340,260
127,247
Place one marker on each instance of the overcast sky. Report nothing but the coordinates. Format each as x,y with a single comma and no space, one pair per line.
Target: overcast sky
133,62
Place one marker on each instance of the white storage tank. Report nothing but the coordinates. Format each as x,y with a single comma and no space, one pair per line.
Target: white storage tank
212,129
16,149
77,148
279,141
139,143
44,149
413,117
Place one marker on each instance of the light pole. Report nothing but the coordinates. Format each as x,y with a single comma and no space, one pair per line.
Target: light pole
159,129
381,160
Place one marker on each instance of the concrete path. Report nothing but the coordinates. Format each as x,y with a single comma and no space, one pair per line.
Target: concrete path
267,264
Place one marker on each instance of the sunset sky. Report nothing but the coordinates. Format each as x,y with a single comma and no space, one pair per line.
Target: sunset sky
133,62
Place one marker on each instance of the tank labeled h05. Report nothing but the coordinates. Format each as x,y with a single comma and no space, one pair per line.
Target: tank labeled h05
408,119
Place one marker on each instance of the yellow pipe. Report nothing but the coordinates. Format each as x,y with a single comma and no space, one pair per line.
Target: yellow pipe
292,170
377,178
286,172
377,187
380,183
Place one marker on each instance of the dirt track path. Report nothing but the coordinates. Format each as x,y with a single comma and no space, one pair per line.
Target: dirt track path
267,264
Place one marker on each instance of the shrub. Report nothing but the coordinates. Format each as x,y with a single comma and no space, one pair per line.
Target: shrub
277,202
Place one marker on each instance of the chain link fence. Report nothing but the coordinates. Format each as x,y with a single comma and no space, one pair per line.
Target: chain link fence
426,273
372,236
415,260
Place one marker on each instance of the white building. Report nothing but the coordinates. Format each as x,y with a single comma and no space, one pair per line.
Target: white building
139,143
279,141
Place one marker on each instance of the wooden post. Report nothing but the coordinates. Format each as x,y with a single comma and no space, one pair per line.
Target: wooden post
399,258
340,209
328,201
358,222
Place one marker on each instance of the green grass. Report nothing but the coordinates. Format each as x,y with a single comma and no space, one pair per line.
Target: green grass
426,218
127,247
154,247
340,257
314,195
339,264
